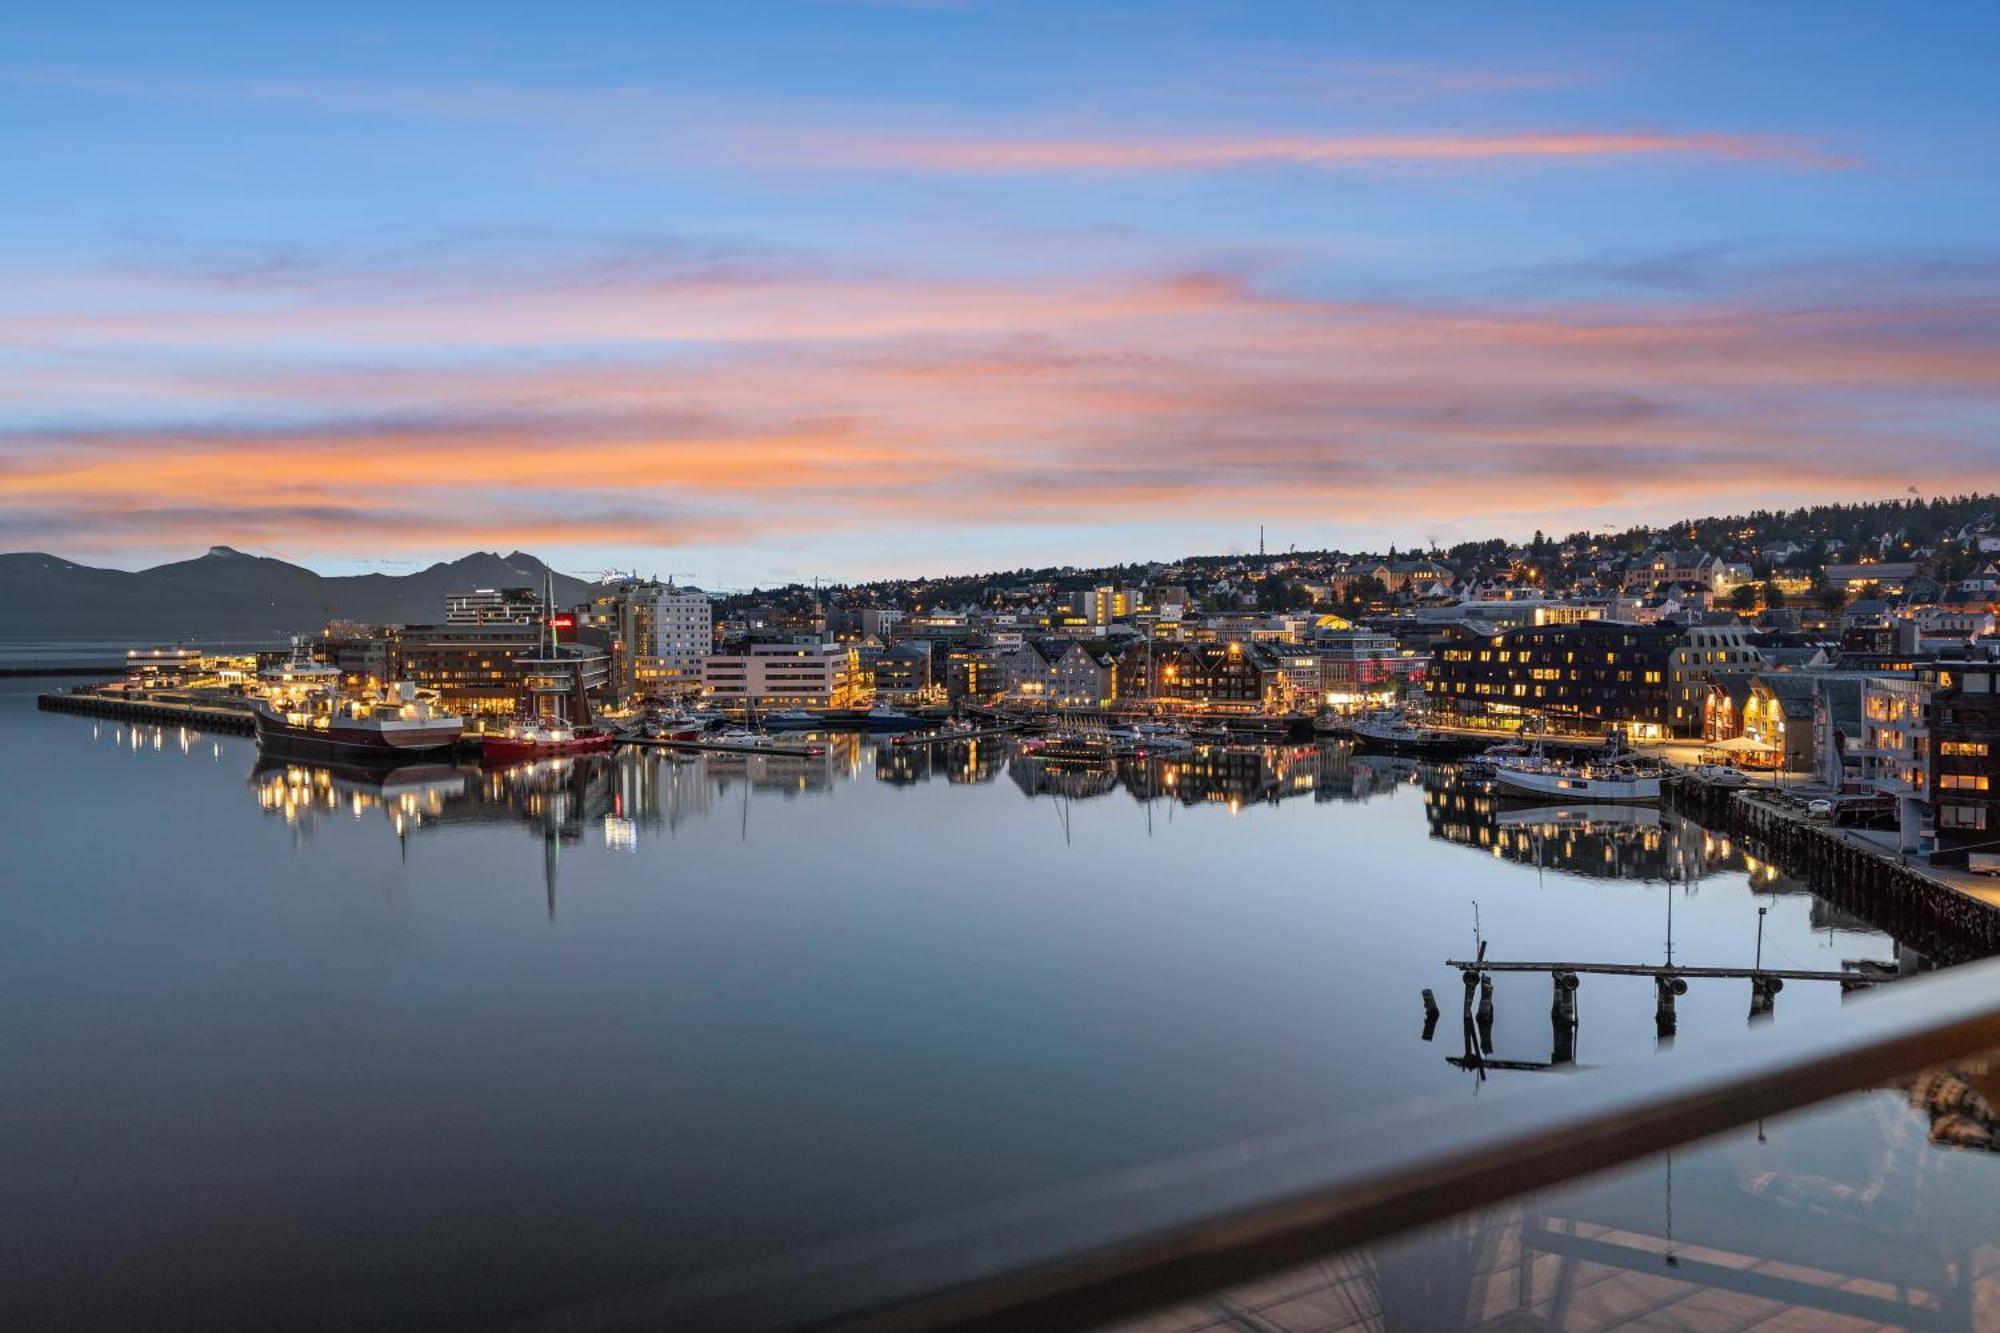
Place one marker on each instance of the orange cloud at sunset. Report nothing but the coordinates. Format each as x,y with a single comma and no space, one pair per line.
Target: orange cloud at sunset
667,411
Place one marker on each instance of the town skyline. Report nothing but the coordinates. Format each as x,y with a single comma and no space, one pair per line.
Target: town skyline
947,286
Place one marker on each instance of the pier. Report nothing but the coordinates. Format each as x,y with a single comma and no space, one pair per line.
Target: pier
209,715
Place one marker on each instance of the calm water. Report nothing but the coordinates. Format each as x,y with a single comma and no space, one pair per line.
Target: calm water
301,1047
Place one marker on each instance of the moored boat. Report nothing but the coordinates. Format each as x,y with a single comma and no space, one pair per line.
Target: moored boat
794,719
532,739
326,723
1588,782
1398,735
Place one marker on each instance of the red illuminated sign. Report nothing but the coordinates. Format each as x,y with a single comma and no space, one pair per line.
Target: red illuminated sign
564,621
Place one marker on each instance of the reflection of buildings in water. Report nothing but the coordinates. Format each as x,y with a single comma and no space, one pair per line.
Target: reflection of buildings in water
1599,841
1070,781
1234,775
785,775
1352,776
966,763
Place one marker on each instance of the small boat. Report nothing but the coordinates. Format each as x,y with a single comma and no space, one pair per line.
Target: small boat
892,719
1397,735
672,727
739,738
533,739
1162,738
794,719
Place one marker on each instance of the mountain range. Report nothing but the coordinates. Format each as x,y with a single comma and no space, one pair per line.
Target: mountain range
227,594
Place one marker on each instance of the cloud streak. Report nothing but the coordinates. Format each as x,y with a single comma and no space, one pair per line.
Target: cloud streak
643,407
1319,152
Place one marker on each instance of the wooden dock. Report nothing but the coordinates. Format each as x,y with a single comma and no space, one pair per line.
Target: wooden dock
1670,970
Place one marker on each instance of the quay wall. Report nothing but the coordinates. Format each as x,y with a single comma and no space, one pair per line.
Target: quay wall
1896,896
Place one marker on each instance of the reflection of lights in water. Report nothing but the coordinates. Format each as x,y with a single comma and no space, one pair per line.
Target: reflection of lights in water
159,739
620,834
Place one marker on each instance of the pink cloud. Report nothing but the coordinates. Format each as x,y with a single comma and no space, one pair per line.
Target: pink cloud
763,407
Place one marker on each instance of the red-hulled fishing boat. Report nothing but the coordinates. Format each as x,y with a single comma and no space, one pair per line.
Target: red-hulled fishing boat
555,706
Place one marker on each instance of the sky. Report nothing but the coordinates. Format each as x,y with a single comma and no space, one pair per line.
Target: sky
757,292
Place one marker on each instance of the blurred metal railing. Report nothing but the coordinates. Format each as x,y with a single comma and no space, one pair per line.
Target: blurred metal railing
1178,1229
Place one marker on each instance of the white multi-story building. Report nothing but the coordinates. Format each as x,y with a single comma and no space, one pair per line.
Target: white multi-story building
783,673
683,634
1895,749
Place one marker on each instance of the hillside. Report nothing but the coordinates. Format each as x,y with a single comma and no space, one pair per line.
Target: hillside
228,594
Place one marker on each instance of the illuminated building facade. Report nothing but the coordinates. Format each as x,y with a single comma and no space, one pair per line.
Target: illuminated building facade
794,672
1581,679
1963,717
489,606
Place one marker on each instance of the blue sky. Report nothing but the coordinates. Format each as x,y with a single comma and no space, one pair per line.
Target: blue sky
753,292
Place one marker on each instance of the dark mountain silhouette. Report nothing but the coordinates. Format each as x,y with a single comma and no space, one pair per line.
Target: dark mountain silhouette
227,594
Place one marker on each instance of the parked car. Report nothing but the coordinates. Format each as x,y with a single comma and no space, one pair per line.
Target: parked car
1820,809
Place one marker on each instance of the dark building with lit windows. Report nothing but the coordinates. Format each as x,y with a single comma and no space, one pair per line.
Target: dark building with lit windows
1963,718
1584,678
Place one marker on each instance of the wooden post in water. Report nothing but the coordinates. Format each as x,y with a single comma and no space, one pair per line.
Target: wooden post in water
1430,1014
1486,1015
1763,992
1666,987
1562,1018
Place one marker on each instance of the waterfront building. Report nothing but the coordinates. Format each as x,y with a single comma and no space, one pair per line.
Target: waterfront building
801,671
683,634
657,634
903,674
1059,671
974,673
488,606
149,667
1363,668
1702,652
1219,677
473,668
1895,749
1963,717
1585,678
